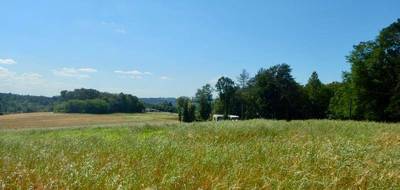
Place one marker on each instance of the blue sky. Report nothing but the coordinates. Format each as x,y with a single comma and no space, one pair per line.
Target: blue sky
171,48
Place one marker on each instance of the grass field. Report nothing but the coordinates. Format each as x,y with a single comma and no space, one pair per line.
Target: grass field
60,120
256,154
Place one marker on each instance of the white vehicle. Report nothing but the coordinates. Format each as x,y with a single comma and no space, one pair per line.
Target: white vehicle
218,117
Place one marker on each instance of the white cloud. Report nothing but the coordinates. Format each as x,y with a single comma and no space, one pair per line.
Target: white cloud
5,72
30,76
87,70
120,31
74,73
117,28
134,74
165,78
11,78
7,61
107,23
27,83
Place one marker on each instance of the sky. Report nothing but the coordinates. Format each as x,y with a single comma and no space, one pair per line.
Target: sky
171,48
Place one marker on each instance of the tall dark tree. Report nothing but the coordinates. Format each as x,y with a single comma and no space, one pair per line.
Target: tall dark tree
393,109
318,97
204,100
343,102
181,103
242,95
186,109
190,113
226,90
277,94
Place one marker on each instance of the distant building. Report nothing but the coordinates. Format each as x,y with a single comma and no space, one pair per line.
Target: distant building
218,117
233,117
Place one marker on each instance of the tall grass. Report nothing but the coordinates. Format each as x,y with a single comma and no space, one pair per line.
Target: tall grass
249,154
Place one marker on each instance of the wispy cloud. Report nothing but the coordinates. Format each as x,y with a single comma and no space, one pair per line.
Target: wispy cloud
28,78
28,83
165,78
7,61
134,74
74,73
120,31
87,70
5,72
117,28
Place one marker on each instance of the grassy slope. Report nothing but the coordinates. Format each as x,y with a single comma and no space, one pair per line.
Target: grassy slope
259,153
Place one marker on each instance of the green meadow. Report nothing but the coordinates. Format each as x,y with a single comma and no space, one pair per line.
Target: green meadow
255,154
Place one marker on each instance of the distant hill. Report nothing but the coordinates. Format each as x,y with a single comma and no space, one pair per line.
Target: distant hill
157,101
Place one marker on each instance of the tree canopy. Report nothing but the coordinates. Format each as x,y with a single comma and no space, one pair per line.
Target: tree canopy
375,74
93,101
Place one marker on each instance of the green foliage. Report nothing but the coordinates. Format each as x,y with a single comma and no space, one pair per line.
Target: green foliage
375,71
318,96
189,112
94,106
343,104
93,101
163,107
180,105
277,94
393,109
80,94
204,99
226,90
186,109
12,103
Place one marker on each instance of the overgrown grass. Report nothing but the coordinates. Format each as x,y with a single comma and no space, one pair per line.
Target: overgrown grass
248,154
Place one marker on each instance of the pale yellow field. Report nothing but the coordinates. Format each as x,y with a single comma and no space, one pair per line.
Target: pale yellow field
255,154
61,120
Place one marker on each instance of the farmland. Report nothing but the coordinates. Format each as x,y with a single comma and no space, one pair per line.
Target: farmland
61,120
153,151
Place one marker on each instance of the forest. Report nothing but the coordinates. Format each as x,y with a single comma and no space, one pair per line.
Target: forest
93,101
76,101
13,103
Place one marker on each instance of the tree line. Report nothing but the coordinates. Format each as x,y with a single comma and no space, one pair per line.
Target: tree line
76,101
369,91
12,103
93,101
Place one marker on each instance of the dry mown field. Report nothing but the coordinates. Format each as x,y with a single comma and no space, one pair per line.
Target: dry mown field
60,120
